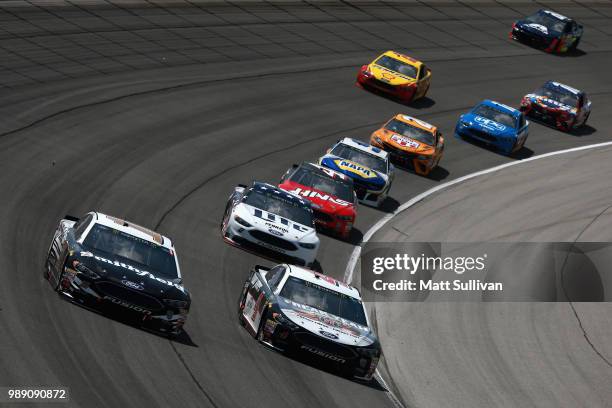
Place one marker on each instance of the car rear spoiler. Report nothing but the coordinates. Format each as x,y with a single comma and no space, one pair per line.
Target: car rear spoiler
71,218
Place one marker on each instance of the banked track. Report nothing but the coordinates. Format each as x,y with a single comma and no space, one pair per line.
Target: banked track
153,111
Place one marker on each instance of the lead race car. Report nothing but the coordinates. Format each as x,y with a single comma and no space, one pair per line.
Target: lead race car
368,166
109,264
496,125
549,30
559,105
292,309
272,222
331,194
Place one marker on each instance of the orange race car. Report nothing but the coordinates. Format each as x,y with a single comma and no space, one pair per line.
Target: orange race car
410,142
396,74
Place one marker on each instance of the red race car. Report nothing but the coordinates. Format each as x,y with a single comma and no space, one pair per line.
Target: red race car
331,193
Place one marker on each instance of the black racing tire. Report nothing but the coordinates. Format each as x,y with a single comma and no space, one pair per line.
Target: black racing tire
262,322
225,217
585,119
574,46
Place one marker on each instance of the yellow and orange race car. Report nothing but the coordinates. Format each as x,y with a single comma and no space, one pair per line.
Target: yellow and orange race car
411,143
396,74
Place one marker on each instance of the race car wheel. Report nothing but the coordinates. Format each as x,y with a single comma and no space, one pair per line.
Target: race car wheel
262,322
585,119
574,46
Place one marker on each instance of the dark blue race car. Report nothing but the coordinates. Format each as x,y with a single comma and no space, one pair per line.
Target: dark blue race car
548,30
495,124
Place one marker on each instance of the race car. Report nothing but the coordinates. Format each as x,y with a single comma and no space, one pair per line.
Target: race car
559,105
112,265
368,166
410,142
292,309
330,193
496,125
396,74
272,222
548,30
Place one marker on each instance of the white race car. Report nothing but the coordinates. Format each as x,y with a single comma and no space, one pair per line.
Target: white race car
270,221
368,166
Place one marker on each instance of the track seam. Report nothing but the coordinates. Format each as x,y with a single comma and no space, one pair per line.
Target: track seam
192,375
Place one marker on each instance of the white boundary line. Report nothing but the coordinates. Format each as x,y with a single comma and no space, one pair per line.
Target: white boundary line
350,267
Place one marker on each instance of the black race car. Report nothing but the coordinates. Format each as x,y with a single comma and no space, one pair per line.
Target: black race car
548,30
111,265
292,309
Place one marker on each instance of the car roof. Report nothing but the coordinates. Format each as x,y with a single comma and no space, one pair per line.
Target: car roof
402,57
326,171
133,229
358,144
421,124
323,280
504,108
265,187
554,14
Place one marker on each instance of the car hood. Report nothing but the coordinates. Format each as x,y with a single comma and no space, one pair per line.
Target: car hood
535,29
131,275
548,102
404,143
391,77
372,178
487,125
273,224
319,199
326,325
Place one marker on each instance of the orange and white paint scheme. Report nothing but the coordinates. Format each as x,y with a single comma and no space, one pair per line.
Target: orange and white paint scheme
411,142
396,74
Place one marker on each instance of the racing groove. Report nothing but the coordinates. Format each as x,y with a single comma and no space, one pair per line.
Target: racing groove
162,139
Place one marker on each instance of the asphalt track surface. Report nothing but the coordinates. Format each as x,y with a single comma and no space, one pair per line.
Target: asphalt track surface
154,111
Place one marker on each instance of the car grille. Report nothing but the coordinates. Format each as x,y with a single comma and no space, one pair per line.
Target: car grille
383,84
309,339
323,217
129,295
272,240
483,135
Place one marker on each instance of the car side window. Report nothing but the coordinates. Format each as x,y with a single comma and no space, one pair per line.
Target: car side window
274,276
81,225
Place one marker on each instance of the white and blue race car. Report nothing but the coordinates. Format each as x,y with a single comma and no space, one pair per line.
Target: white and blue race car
368,166
271,222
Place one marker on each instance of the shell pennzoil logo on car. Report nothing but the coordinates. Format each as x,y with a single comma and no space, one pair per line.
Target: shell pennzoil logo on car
355,168
405,141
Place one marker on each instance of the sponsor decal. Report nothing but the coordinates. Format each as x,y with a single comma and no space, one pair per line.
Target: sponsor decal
328,335
322,353
266,216
320,196
538,27
405,141
488,123
352,167
567,88
137,271
559,16
127,305
132,285
275,232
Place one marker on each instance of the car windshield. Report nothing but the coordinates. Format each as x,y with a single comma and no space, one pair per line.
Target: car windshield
559,96
332,302
410,131
361,157
547,20
156,258
274,203
331,185
397,66
495,115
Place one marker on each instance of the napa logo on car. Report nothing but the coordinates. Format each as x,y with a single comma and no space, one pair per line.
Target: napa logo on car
490,124
355,168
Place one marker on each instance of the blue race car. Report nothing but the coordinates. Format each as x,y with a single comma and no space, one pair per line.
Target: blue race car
496,125
549,30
